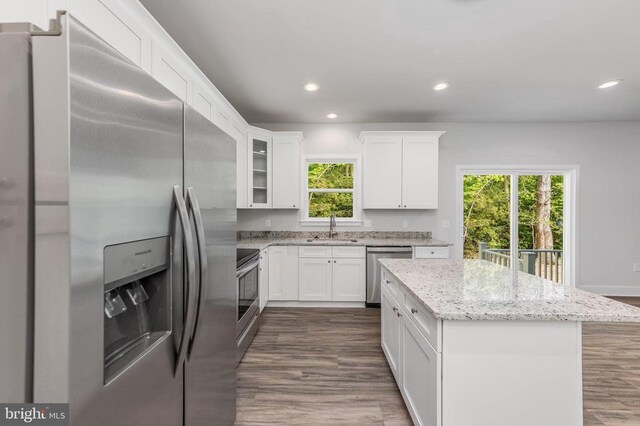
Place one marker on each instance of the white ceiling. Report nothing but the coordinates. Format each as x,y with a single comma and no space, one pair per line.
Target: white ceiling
377,60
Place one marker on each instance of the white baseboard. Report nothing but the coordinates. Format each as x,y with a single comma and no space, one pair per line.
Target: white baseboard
297,304
616,290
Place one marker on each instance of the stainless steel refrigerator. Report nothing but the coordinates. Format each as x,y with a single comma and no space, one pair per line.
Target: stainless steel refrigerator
117,238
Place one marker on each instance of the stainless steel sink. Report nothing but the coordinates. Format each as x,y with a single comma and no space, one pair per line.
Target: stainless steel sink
348,240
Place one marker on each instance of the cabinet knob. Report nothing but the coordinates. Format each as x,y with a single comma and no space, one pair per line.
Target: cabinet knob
335,261
328,261
294,205
399,205
398,314
414,311
405,206
395,309
250,205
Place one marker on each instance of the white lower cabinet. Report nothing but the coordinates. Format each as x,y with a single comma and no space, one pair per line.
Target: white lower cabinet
391,332
332,274
349,280
315,279
263,279
283,273
420,376
416,365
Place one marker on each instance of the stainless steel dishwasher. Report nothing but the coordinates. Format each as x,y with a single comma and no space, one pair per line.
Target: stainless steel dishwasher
373,269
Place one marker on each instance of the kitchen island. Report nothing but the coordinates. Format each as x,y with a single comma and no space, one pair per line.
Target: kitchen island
471,343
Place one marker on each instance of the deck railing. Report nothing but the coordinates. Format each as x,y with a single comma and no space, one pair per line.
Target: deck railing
539,262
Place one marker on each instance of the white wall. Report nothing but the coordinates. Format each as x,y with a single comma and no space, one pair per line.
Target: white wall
608,155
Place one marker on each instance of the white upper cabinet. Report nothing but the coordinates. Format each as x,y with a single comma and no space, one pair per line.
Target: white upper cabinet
203,101
286,170
400,170
241,166
259,170
110,20
382,172
171,73
420,172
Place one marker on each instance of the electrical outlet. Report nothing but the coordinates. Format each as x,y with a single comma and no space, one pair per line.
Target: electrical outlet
405,224
636,267
445,224
267,223
368,223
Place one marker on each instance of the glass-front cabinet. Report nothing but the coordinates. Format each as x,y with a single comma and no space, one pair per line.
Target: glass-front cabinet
259,171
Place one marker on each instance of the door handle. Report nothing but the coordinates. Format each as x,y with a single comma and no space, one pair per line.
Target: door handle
192,203
191,275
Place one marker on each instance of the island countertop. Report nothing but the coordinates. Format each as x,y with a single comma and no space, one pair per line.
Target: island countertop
481,290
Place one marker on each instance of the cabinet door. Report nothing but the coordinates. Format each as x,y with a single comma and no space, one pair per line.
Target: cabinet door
259,171
420,172
286,172
241,167
420,370
277,257
111,21
382,172
263,280
283,273
315,278
349,283
203,100
391,329
171,73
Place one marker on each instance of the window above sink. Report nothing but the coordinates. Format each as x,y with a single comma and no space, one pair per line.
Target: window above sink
331,185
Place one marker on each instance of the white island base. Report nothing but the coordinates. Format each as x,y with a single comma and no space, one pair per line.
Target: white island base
481,373
511,373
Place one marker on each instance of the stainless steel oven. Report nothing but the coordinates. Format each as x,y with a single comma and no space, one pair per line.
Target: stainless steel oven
248,299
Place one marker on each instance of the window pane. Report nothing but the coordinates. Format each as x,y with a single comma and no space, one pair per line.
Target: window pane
322,204
540,227
330,175
487,227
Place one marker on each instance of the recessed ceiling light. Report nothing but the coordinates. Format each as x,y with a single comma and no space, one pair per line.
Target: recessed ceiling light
332,115
608,84
440,86
311,87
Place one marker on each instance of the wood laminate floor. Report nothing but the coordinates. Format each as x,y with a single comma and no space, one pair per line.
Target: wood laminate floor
326,367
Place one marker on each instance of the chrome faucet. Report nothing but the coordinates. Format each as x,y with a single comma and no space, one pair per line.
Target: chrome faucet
332,225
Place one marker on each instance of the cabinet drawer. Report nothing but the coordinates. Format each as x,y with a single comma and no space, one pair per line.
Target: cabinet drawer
315,251
390,283
431,253
349,252
424,320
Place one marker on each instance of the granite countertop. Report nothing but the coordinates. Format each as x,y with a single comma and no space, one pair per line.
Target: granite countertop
261,240
481,290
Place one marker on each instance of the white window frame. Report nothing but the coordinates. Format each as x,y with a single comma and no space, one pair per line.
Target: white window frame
356,220
570,173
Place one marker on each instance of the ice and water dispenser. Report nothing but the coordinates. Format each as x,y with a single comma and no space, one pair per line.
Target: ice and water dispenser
137,301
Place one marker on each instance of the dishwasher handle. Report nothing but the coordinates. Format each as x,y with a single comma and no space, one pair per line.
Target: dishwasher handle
389,249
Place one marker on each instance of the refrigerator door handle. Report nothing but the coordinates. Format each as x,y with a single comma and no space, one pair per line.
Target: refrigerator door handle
191,277
192,202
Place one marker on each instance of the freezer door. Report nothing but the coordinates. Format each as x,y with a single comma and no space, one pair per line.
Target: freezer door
124,154
16,219
210,182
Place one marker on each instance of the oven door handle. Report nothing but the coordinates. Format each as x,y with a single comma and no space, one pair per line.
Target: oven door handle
191,276
192,203
247,268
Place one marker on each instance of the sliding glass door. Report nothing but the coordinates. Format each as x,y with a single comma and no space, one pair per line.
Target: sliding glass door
518,219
